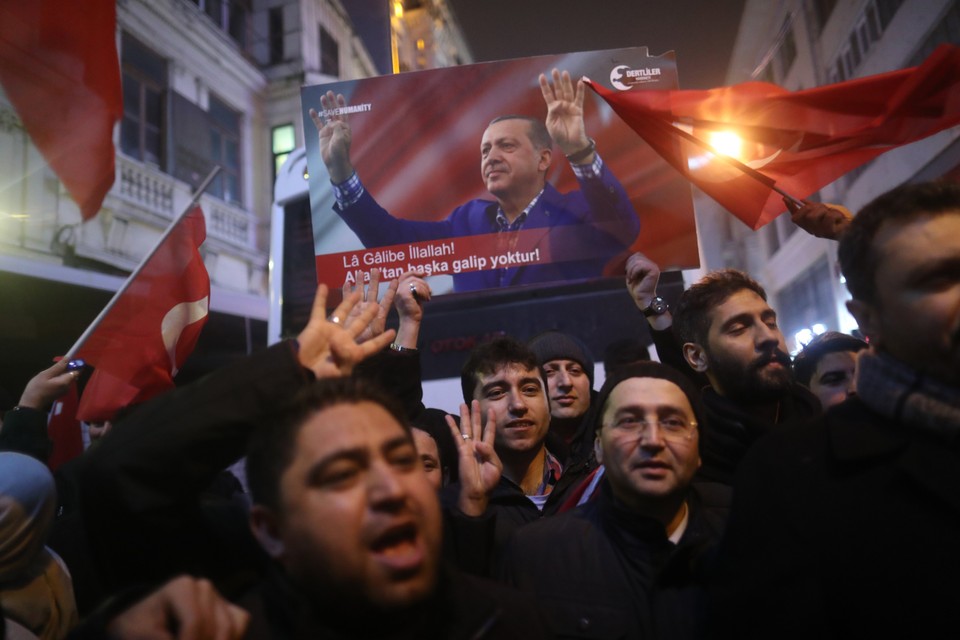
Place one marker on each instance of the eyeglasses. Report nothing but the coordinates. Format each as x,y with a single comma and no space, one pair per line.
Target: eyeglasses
674,429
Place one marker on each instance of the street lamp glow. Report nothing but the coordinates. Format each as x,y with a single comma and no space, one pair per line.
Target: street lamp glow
726,142
803,337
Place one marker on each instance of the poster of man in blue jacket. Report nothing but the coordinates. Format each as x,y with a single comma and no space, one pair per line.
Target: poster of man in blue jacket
388,161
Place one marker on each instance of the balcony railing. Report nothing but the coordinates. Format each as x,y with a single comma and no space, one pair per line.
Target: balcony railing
147,188
158,193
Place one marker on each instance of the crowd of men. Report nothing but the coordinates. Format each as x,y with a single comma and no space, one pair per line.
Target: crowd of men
723,490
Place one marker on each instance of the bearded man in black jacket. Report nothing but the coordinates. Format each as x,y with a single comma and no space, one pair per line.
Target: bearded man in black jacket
724,335
848,526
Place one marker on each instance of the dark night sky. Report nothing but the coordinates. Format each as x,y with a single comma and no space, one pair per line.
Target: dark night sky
701,32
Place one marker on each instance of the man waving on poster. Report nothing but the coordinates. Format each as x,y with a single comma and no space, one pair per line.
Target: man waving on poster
579,232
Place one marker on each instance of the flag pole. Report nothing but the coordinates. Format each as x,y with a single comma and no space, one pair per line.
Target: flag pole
750,171
113,301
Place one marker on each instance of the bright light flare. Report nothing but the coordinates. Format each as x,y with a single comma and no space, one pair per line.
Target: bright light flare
803,337
726,142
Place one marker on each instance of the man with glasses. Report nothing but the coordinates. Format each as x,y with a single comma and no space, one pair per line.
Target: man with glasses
624,565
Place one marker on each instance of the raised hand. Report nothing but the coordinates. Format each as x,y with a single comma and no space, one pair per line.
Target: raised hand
329,348
335,136
820,219
368,297
480,466
412,292
47,386
565,112
184,608
642,277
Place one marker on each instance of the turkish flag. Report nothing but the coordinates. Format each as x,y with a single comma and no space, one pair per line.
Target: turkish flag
59,68
798,141
143,341
64,431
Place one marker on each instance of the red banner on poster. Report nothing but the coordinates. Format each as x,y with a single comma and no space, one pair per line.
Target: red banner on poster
506,254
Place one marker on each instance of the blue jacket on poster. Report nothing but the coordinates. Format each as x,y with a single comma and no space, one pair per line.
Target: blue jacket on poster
588,228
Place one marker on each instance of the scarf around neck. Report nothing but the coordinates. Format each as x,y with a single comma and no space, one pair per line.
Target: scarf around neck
907,396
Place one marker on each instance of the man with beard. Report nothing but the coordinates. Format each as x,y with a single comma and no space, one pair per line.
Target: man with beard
729,334
848,526
827,366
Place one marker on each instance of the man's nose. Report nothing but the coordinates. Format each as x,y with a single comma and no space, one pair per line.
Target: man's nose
563,379
494,155
518,405
651,438
385,488
767,336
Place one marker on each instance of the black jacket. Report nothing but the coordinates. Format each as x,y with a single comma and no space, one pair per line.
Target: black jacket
512,509
142,488
730,432
462,607
845,527
600,571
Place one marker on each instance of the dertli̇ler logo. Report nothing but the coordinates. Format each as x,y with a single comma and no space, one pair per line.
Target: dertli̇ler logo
624,78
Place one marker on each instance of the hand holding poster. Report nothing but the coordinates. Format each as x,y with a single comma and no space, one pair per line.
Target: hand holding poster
392,174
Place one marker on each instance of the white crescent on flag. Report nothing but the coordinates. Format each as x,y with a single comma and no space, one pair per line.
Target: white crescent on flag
178,319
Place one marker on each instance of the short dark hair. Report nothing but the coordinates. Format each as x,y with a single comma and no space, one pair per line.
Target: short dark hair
648,369
828,342
271,445
691,318
537,132
906,203
490,356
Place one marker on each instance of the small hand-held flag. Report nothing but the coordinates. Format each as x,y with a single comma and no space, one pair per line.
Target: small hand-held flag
143,336
791,142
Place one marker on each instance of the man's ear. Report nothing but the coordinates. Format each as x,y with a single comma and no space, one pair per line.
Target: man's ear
546,157
696,356
263,524
597,449
868,319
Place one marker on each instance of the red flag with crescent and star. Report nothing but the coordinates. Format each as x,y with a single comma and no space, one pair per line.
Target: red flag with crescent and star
146,337
794,141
